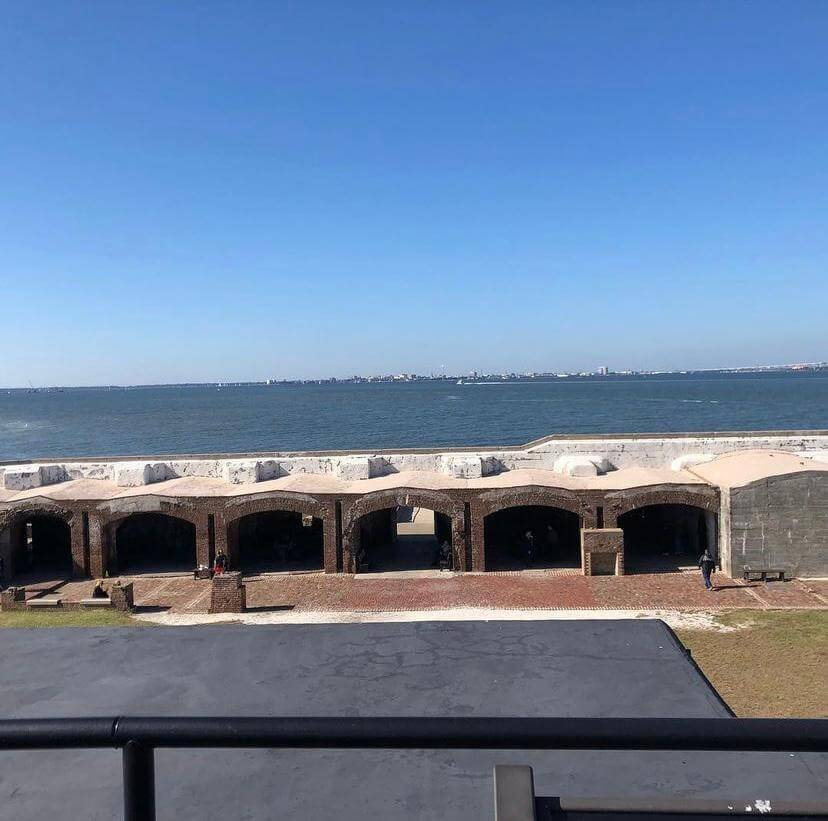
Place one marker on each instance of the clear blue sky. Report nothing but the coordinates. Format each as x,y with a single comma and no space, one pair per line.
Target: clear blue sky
239,190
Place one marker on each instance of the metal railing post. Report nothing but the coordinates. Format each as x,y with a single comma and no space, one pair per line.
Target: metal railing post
139,782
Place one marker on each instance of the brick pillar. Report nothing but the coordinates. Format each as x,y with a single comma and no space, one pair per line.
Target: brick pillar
122,597
589,517
228,594
98,546
13,598
329,545
478,541
221,537
6,552
80,563
602,551
202,536
15,536
230,533
350,538
458,540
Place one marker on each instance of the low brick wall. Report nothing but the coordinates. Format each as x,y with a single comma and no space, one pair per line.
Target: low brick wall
602,551
228,595
122,597
13,598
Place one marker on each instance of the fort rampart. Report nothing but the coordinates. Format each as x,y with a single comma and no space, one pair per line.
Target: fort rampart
756,500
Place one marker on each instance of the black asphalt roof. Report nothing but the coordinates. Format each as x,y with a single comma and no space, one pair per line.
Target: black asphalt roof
502,668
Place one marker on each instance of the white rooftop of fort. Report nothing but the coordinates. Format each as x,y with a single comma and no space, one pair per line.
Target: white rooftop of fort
605,463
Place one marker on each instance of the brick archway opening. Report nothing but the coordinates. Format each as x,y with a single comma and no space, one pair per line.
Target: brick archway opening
153,543
532,537
41,545
276,541
667,537
402,538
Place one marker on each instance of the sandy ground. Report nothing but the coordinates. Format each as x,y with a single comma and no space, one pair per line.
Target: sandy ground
677,620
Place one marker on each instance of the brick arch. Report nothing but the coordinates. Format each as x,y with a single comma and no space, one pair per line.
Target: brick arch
409,497
12,516
35,507
112,519
618,505
493,501
301,503
292,503
532,496
107,517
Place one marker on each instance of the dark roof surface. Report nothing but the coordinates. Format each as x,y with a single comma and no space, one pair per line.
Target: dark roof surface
504,668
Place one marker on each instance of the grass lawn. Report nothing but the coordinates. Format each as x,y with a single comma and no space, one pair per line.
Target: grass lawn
67,618
776,666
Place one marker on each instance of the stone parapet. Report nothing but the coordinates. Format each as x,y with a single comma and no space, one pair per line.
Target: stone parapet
575,456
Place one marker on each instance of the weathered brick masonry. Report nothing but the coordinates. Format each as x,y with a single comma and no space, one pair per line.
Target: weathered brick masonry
602,551
757,508
228,594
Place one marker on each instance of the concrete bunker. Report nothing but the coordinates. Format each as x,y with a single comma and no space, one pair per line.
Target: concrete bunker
41,543
276,541
401,538
532,536
667,536
153,542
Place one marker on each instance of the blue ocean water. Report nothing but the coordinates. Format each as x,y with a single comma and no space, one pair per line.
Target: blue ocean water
389,415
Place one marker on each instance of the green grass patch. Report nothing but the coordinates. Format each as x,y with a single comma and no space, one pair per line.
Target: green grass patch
67,618
774,665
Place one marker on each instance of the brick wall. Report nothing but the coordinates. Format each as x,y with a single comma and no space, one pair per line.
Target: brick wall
122,597
228,594
602,551
13,598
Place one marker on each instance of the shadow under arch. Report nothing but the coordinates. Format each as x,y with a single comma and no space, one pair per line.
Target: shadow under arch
152,542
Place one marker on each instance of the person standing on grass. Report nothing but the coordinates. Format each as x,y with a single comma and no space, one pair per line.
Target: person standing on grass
707,566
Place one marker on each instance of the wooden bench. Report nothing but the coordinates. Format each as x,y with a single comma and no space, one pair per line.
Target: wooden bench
44,602
775,574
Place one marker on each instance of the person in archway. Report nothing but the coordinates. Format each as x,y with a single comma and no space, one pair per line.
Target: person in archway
444,557
529,547
707,566
551,543
221,562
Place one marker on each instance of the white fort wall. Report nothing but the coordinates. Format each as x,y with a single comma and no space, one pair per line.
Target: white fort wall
571,456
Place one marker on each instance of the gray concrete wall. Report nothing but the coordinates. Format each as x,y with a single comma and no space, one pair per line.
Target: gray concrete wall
781,522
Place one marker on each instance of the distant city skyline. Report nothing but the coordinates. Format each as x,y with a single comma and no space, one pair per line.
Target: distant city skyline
211,192
402,376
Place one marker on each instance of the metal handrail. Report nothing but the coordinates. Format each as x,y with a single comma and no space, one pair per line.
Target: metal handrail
139,737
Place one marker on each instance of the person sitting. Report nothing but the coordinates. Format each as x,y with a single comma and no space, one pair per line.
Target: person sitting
98,591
